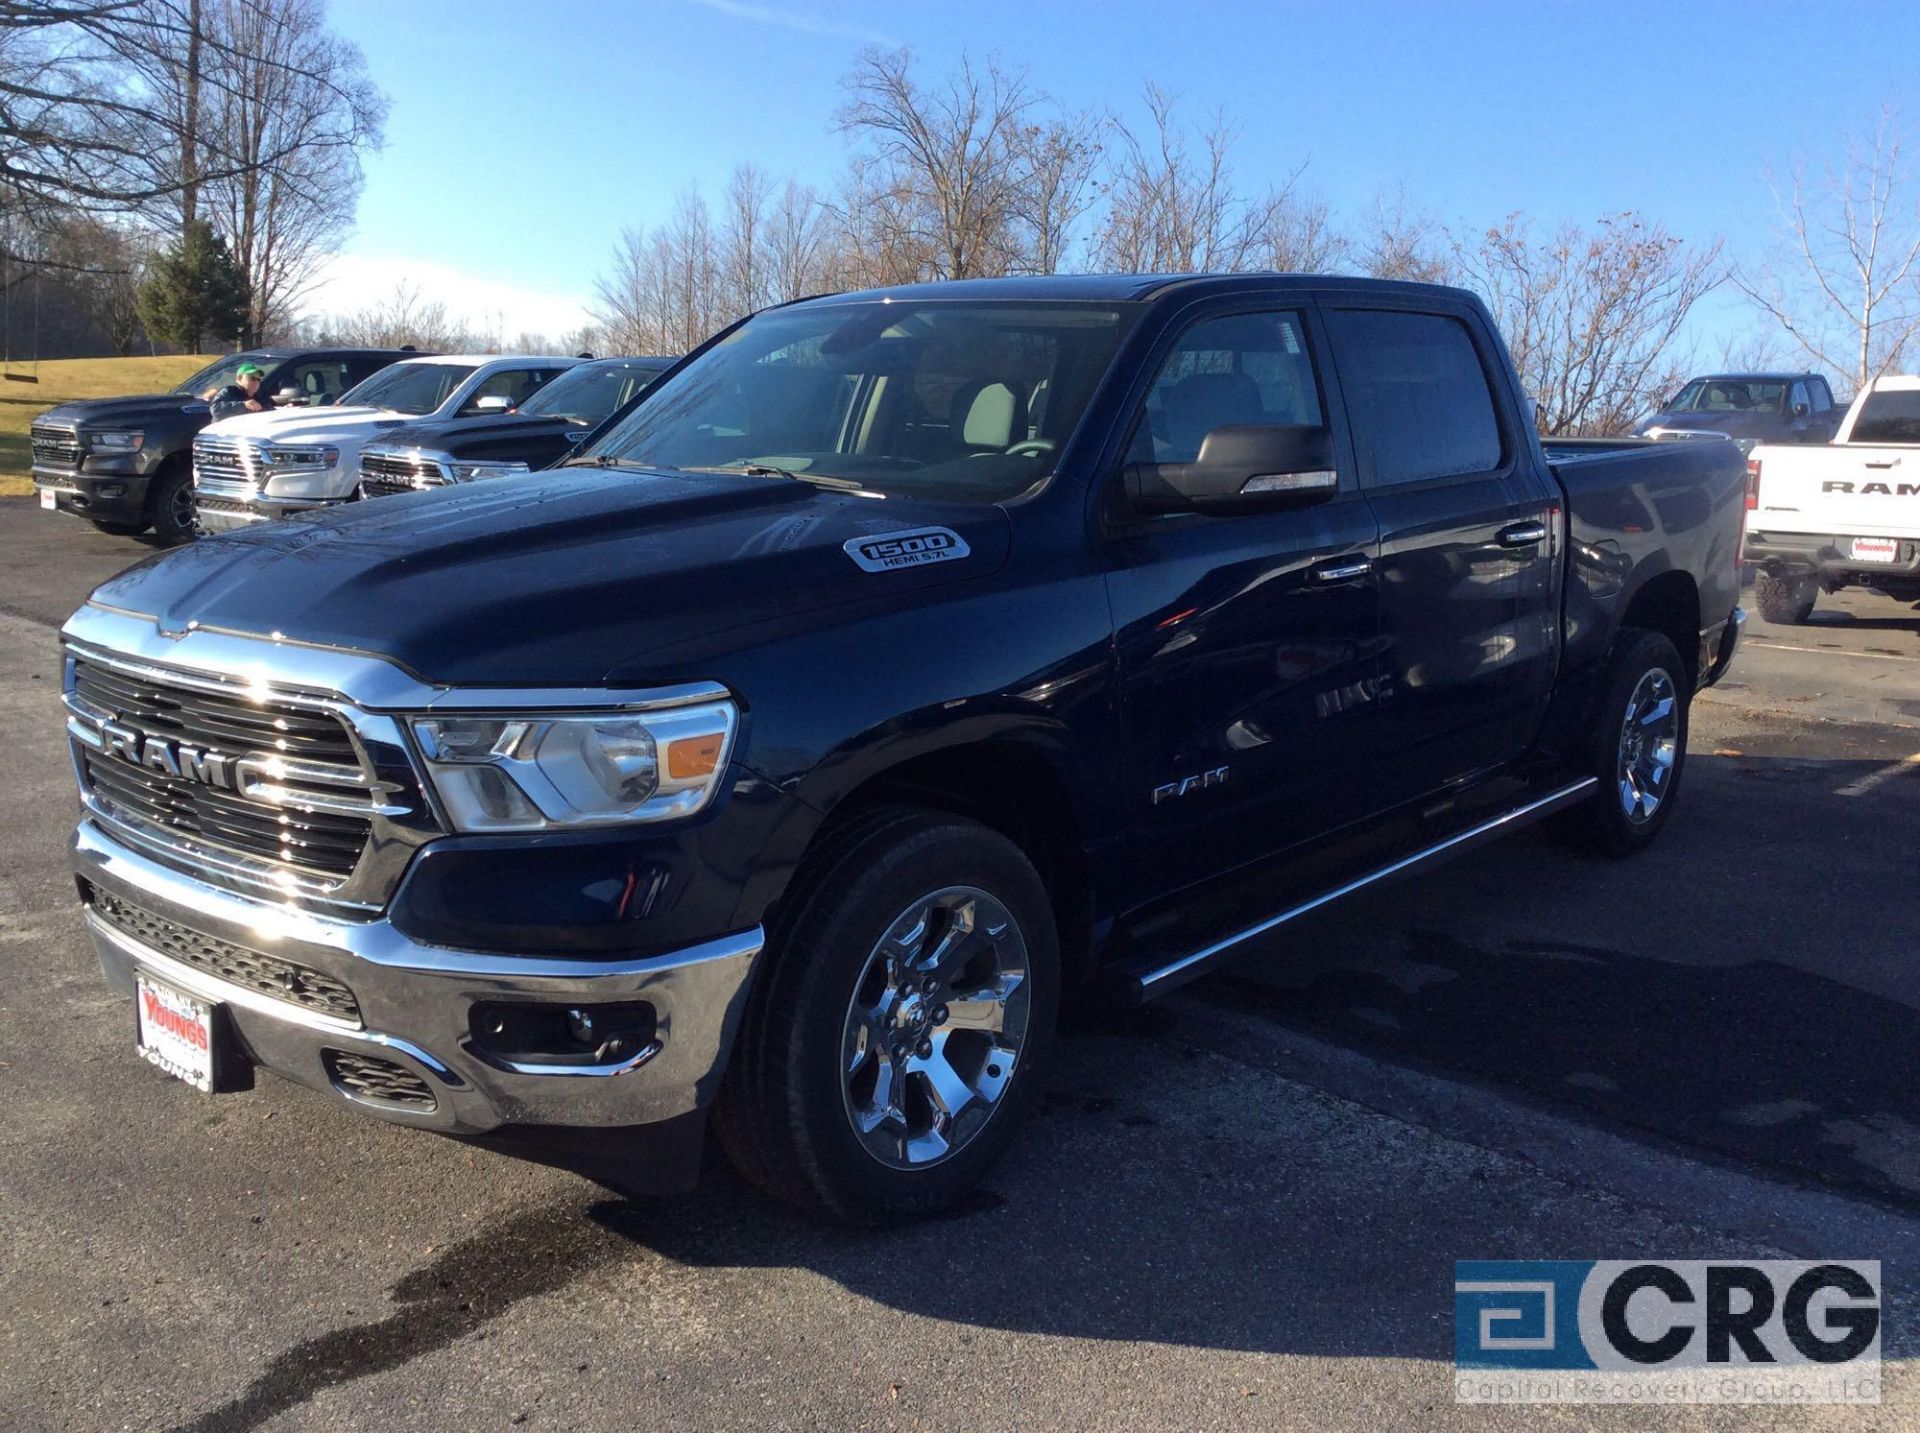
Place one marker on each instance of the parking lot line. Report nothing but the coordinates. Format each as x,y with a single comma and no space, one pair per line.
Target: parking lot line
1879,777
1772,646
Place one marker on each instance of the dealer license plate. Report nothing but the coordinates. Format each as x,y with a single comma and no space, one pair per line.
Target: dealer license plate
49,499
175,1032
1875,549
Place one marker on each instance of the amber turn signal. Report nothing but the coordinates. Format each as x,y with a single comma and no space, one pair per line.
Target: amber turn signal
693,756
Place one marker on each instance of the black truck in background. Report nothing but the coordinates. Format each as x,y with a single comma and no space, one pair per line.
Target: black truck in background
536,434
907,665
126,464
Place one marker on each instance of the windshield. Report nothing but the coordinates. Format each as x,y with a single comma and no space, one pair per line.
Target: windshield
592,391
1728,395
408,387
1888,416
963,401
220,374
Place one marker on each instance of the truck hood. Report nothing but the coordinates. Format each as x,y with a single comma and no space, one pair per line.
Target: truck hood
97,413
563,580
451,435
1734,425
297,425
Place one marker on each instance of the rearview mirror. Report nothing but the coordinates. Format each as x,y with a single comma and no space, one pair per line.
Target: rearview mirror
1241,468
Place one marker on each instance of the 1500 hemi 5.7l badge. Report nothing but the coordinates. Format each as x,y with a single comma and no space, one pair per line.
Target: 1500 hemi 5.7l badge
906,549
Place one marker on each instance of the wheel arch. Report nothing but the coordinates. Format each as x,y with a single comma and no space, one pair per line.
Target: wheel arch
1668,603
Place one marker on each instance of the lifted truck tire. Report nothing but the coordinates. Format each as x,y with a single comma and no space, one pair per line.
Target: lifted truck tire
1785,600
1638,748
170,503
902,1025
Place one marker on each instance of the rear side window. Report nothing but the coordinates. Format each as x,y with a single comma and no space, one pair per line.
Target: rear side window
1890,415
1417,395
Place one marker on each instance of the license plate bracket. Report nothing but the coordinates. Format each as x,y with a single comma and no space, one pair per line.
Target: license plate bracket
1875,549
187,1037
49,499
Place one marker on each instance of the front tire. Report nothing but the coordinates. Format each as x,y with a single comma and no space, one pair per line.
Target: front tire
1787,601
1637,747
902,1025
170,504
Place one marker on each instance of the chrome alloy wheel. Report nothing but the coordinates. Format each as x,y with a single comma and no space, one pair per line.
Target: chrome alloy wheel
1649,746
934,1029
180,505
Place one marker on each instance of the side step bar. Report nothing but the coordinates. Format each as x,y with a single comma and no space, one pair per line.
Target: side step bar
1155,982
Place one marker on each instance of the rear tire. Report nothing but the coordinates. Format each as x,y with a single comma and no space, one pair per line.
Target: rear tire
1787,601
119,529
902,1024
170,504
1637,748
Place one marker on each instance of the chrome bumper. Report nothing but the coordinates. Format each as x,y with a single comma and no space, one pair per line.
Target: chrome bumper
231,514
415,1003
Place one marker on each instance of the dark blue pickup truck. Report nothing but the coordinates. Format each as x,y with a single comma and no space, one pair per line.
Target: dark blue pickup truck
908,665
1749,408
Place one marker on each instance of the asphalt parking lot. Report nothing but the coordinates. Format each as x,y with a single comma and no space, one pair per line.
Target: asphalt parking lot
1239,1210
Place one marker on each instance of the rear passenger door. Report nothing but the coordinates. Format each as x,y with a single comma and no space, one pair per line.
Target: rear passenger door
1245,643
1468,530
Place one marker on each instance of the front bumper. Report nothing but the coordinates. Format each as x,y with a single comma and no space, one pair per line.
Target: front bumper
1830,556
416,1005
217,513
104,489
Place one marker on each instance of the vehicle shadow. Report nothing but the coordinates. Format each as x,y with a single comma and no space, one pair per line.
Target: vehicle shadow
1745,991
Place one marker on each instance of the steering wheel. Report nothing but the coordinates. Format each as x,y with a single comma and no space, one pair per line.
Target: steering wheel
1032,448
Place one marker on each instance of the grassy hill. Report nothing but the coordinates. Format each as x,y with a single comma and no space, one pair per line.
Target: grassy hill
64,379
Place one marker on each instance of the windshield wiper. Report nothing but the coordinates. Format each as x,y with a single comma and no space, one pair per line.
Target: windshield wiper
769,470
607,460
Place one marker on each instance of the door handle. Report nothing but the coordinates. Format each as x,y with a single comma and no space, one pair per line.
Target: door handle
1342,569
1523,534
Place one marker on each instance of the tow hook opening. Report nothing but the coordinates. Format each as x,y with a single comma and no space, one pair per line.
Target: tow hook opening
563,1035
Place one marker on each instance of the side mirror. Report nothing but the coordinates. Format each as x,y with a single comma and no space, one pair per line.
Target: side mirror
1800,410
290,396
1242,468
492,403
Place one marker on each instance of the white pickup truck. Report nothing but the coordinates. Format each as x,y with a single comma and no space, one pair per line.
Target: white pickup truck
258,466
1839,514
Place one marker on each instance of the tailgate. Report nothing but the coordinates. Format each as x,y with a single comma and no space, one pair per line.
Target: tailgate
1836,489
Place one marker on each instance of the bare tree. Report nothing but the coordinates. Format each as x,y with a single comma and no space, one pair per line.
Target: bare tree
1842,280
1591,315
1399,242
746,258
1301,236
797,244
296,111
405,316
949,156
1172,203
1056,161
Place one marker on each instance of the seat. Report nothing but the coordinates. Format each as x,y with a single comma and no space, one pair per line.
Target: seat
1198,404
987,417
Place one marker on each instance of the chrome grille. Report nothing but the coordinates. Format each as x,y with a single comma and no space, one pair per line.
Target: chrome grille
228,467
293,811
381,1082
250,969
55,446
382,474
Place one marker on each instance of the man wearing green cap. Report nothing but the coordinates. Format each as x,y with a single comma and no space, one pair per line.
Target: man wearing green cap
243,395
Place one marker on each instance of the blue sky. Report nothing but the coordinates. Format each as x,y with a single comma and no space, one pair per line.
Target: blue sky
526,133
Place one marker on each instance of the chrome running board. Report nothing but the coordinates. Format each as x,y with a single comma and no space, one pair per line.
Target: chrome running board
1159,980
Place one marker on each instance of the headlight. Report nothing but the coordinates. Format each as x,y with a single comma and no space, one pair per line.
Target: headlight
537,773
284,459
473,472
116,442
